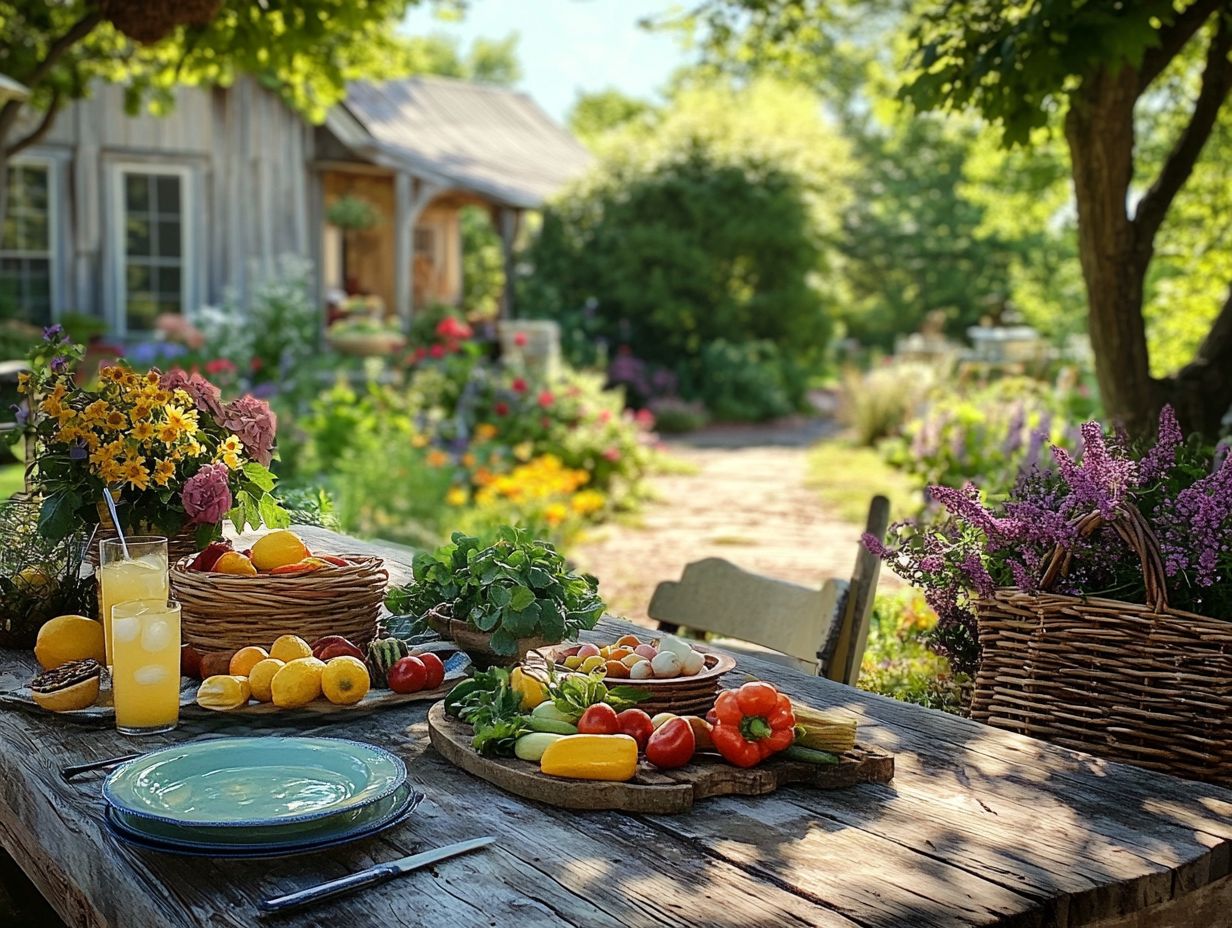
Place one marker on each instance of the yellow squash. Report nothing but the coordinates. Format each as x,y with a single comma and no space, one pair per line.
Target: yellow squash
532,691
591,757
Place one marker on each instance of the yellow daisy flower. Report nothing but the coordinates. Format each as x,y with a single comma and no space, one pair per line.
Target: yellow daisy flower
555,513
163,472
141,410
142,431
456,496
135,473
116,420
96,412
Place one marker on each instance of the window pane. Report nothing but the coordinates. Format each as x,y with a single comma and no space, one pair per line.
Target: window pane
168,186
34,187
169,280
142,308
169,239
137,241
137,277
136,192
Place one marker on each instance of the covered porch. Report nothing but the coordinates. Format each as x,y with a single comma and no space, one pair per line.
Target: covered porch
396,165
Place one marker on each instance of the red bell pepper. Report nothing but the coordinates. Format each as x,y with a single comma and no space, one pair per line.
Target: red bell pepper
754,722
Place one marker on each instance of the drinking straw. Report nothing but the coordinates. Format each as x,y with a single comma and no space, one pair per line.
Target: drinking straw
115,520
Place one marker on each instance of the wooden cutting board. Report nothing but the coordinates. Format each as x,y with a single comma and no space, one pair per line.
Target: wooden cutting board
652,791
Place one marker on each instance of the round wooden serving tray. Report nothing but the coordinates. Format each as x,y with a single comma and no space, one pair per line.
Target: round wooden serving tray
661,792
682,695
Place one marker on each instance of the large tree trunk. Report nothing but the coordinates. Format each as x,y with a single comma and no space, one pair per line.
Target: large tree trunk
1100,132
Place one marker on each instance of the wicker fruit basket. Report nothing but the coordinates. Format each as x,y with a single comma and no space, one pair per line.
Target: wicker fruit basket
1140,683
223,612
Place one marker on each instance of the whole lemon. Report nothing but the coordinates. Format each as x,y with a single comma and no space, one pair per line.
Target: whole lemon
261,678
278,549
69,638
243,660
289,648
345,681
298,683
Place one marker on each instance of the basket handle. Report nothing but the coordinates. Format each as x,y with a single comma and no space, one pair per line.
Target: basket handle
1136,532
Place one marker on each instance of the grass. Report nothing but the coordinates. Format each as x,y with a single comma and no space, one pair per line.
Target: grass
12,480
847,476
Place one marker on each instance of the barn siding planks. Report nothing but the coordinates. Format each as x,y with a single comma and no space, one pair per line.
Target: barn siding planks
248,155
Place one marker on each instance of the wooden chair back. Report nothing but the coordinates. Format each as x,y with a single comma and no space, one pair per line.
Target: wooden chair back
824,630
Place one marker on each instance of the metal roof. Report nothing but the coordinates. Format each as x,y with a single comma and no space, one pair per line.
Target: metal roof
489,140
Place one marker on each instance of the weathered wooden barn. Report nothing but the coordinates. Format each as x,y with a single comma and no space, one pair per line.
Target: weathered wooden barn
125,218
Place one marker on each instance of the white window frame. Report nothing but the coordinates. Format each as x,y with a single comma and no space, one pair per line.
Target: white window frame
52,167
118,171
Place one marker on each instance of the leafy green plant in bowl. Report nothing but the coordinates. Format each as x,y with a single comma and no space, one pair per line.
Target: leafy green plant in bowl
499,600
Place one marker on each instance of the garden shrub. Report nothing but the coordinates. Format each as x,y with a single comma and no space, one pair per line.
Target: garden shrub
748,381
664,260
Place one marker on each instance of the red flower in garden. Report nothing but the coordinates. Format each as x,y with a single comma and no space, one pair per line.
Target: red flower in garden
520,339
437,351
501,409
219,366
421,353
452,328
605,415
645,418
519,385
546,399
612,454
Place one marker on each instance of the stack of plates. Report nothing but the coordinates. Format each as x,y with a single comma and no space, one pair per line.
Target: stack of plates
257,797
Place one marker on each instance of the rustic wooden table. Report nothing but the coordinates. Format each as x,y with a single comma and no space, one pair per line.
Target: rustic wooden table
979,827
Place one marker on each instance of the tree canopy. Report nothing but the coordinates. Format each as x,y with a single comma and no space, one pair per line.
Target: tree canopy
1135,89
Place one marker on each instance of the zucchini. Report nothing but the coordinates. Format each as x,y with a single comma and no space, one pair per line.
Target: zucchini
810,755
551,726
531,747
548,710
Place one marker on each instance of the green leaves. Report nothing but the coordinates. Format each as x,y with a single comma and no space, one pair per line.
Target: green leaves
58,517
517,587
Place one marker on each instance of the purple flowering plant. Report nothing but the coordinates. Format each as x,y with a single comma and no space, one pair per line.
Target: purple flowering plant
970,547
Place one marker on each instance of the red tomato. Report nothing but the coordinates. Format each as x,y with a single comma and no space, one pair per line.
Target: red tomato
408,675
637,725
436,670
599,719
672,745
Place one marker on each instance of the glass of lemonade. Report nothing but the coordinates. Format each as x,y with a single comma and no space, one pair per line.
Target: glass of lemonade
145,670
140,575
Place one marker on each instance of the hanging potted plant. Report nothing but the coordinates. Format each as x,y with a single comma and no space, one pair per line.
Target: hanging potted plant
501,600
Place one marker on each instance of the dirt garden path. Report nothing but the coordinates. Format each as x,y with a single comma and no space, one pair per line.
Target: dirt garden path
748,502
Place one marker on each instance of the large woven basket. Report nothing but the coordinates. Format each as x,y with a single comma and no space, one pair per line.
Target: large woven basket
222,612
1140,683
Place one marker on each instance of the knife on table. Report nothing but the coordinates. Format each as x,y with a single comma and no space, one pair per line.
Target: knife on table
371,876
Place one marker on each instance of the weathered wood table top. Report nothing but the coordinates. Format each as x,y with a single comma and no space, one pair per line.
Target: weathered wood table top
980,827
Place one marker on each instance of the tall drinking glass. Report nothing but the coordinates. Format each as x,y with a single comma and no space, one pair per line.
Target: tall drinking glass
142,575
145,671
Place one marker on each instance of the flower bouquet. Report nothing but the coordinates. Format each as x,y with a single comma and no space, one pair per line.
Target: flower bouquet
1094,602
177,457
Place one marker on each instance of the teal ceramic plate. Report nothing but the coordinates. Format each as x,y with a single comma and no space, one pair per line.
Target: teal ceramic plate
255,782
408,800
203,836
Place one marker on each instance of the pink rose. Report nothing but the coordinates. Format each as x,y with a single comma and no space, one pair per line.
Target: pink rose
254,423
207,495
